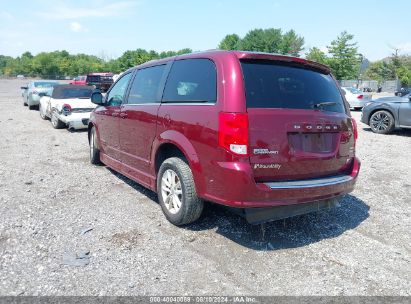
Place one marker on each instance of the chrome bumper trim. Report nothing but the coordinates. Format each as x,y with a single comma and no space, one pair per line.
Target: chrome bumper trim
310,183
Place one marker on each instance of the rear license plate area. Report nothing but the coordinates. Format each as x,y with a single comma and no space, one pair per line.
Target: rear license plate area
312,142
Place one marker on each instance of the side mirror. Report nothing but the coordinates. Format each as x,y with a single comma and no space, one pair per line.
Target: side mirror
97,97
24,88
409,97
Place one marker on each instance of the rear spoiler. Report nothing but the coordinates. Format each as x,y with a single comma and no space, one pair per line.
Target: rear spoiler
283,58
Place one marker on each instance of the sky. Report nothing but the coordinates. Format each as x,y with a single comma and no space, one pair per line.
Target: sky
109,28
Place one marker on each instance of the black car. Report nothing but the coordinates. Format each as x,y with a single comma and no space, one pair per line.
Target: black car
385,114
102,81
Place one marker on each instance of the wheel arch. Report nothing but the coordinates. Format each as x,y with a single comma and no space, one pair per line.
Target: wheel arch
384,108
173,143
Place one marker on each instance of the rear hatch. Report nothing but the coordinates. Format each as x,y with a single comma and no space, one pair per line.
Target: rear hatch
298,125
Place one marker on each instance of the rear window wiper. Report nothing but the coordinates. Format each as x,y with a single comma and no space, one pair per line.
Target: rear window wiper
324,104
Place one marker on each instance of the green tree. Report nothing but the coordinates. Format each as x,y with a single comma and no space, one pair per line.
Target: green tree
230,42
404,75
315,54
259,40
291,44
269,40
344,61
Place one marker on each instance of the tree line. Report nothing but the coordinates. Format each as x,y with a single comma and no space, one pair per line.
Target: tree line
341,56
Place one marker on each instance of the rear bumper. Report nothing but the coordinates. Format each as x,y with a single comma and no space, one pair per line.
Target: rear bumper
358,103
33,100
261,215
76,120
237,188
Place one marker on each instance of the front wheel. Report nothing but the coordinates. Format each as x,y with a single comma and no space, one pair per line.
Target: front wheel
94,150
176,192
55,121
382,122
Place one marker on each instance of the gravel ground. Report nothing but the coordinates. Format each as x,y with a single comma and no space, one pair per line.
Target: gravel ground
50,196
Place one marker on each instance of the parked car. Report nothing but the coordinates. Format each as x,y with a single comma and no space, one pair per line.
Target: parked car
385,114
79,80
268,135
356,98
402,92
20,77
31,92
101,81
67,106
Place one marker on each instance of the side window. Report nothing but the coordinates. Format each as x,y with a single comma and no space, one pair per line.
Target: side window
191,80
145,87
116,95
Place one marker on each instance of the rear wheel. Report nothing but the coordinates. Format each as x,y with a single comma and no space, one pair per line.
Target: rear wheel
42,112
94,150
382,122
55,121
32,107
176,192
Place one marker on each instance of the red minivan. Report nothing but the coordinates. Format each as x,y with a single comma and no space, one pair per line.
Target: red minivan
269,135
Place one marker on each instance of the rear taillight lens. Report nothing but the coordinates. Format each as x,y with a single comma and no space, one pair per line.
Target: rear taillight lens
233,132
360,96
354,129
66,109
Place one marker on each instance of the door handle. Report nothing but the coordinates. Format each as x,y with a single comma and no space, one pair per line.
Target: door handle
123,115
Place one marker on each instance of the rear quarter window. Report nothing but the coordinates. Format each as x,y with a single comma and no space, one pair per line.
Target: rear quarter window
271,84
191,80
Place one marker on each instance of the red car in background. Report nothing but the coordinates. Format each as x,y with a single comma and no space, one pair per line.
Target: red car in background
79,80
269,135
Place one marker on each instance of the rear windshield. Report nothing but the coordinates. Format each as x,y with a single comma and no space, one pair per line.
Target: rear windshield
65,93
354,90
44,84
93,78
271,84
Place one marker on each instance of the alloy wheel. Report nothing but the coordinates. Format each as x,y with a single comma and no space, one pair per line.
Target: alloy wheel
380,121
171,191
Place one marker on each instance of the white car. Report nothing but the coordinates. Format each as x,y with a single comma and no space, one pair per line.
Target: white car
356,98
67,106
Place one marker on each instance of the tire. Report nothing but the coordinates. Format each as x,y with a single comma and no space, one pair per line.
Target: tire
55,121
382,122
42,114
94,150
32,107
180,204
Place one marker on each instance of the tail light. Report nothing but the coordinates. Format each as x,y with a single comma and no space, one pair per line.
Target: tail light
354,129
360,96
233,132
66,109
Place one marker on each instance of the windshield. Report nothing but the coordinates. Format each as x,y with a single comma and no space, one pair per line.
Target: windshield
44,84
272,84
353,90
